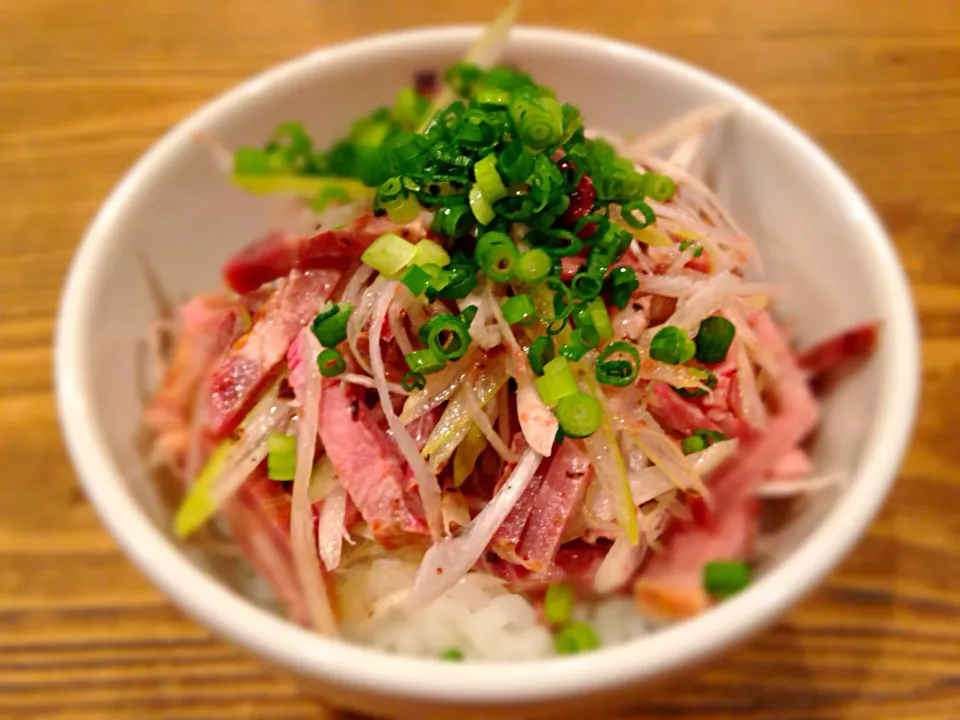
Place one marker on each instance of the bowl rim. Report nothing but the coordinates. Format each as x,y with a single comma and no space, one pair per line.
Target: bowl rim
281,642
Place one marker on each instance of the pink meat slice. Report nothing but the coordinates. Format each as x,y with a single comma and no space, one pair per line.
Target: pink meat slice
278,254
259,518
671,584
676,413
369,466
254,359
559,495
208,323
508,535
576,566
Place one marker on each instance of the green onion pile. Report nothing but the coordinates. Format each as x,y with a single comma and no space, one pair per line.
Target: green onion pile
515,188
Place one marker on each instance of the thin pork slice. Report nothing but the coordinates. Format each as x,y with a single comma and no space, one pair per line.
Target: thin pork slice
576,565
832,358
671,584
259,518
560,494
207,327
369,466
278,254
677,413
254,359
508,535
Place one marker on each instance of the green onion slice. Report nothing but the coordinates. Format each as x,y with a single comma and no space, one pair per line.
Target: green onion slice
424,361
723,578
557,381
540,353
558,604
575,638
389,254
672,345
617,364
330,362
713,339
281,456
330,326
579,414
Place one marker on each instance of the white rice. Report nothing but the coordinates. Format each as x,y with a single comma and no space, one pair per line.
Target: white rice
478,617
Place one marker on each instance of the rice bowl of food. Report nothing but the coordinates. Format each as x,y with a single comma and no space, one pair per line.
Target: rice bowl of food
445,376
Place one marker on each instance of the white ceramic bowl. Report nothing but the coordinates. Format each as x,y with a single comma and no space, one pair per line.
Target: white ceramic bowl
818,236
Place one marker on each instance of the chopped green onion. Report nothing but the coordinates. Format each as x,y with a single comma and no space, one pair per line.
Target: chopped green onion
452,221
723,578
467,315
281,456
497,256
692,444
452,655
330,362
649,217
562,301
709,379
579,414
586,286
403,210
481,206
573,351
330,326
600,318
416,279
413,381
491,96
488,179
659,187
710,436
538,120
540,353
557,381
515,162
575,638
389,254
429,252
534,265
618,372
446,336
671,345
586,337
713,339
462,279
558,604
424,361
623,283
519,309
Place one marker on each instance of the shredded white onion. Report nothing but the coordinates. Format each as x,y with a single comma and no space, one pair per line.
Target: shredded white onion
427,483
486,427
450,559
369,382
301,513
618,566
330,527
799,486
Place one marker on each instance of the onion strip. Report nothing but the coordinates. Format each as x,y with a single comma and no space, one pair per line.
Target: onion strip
301,513
448,561
427,483
481,420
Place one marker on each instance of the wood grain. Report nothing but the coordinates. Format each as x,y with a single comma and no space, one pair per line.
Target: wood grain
86,85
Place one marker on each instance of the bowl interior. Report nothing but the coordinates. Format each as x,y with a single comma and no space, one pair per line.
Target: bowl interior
178,212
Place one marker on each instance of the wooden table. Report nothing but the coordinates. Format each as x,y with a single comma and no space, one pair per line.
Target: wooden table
87,85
